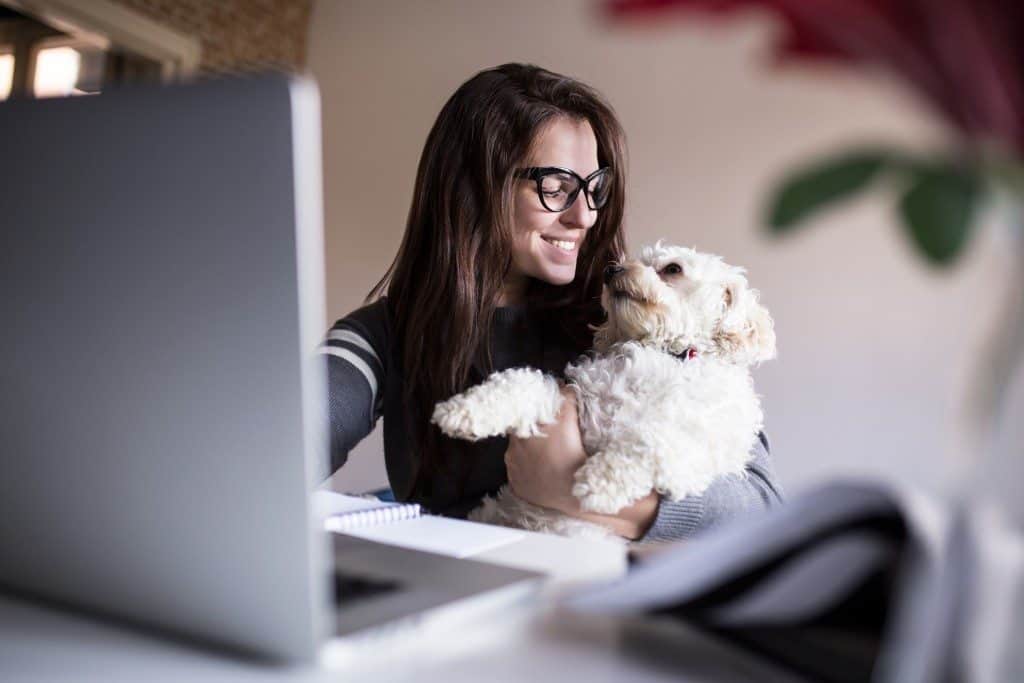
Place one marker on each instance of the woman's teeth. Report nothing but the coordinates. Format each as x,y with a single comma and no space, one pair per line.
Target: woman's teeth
563,245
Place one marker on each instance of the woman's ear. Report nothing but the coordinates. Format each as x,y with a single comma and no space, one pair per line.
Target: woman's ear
746,332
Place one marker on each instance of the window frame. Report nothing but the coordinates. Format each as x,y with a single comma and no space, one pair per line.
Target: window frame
105,24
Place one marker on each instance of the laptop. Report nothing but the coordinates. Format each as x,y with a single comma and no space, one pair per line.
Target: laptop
161,405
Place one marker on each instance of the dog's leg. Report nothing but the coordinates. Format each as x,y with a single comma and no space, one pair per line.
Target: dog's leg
686,468
706,447
610,480
518,401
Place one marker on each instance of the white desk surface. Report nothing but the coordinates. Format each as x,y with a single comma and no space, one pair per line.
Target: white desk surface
39,643
567,562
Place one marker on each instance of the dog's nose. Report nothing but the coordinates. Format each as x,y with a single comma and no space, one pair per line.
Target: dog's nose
610,271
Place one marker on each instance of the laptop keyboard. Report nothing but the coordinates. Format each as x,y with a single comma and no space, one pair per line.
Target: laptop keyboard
350,588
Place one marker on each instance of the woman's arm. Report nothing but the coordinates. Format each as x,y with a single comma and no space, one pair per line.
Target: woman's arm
540,470
354,349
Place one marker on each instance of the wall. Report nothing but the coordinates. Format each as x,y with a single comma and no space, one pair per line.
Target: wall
875,347
237,35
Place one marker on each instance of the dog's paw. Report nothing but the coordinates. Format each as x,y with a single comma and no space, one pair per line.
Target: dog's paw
455,419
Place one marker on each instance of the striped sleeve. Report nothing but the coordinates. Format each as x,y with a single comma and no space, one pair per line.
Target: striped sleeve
355,349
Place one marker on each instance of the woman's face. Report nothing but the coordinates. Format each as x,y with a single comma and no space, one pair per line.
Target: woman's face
545,245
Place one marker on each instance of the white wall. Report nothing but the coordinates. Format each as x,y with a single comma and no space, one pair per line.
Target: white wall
875,348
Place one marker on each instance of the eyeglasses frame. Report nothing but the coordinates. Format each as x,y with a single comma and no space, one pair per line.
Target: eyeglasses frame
537,174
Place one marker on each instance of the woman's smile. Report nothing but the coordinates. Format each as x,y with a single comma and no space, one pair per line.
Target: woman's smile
562,252
564,245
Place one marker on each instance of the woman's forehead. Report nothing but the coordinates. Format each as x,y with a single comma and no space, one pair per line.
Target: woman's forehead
565,142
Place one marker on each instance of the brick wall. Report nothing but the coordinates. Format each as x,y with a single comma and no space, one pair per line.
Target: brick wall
237,35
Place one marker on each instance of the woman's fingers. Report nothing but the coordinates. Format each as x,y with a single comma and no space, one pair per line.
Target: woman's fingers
540,469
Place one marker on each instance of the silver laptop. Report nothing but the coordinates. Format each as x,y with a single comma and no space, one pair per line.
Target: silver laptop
161,407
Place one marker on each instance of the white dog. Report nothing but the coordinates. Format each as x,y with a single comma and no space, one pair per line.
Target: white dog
665,400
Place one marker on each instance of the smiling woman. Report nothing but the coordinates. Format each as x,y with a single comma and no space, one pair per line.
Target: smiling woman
516,211
479,283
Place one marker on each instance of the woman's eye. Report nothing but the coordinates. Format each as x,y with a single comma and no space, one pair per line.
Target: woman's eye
672,269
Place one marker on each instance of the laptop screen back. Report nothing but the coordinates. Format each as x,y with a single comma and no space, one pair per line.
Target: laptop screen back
160,406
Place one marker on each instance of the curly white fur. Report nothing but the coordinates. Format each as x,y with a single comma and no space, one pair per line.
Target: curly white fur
649,417
482,411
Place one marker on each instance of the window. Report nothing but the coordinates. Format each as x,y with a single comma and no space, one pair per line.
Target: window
6,71
66,67
40,60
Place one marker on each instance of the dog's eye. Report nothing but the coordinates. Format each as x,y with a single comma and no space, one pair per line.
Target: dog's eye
672,269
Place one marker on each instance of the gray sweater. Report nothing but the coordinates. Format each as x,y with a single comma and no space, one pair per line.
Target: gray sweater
365,384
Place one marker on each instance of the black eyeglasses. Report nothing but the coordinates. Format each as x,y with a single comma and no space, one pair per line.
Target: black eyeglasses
558,187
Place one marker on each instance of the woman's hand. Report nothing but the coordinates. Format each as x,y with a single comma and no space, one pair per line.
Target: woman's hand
541,469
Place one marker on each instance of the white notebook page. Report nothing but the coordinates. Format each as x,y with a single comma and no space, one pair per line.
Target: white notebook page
441,535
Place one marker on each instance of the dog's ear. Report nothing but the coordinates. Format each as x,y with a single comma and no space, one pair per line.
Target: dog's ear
602,336
746,332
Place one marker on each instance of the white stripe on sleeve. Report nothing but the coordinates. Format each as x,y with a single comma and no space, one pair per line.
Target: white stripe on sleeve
353,338
358,363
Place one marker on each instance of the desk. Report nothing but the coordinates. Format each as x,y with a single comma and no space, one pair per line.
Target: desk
567,562
38,643
530,643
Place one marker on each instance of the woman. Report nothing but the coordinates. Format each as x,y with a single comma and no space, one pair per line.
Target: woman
517,209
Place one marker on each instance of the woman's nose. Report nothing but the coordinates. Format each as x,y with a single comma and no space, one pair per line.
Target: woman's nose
610,271
579,215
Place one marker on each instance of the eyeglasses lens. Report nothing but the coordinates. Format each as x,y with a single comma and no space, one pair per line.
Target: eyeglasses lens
599,190
556,190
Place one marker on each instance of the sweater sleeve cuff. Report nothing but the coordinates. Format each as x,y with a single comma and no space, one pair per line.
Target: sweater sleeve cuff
675,520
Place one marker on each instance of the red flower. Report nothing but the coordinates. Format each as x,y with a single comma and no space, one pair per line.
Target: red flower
966,57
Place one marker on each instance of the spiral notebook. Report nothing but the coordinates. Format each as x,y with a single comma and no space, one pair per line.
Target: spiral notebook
343,513
404,524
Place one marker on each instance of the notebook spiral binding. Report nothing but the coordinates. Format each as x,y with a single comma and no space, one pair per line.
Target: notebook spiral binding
363,518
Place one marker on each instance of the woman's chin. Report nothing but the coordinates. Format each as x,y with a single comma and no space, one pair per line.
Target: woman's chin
561,278
556,273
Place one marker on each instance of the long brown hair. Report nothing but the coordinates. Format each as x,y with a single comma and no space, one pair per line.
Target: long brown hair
444,283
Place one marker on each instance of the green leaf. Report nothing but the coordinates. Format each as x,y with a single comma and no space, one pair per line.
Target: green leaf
938,208
808,191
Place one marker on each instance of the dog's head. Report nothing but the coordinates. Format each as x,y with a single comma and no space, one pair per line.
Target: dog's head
676,298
